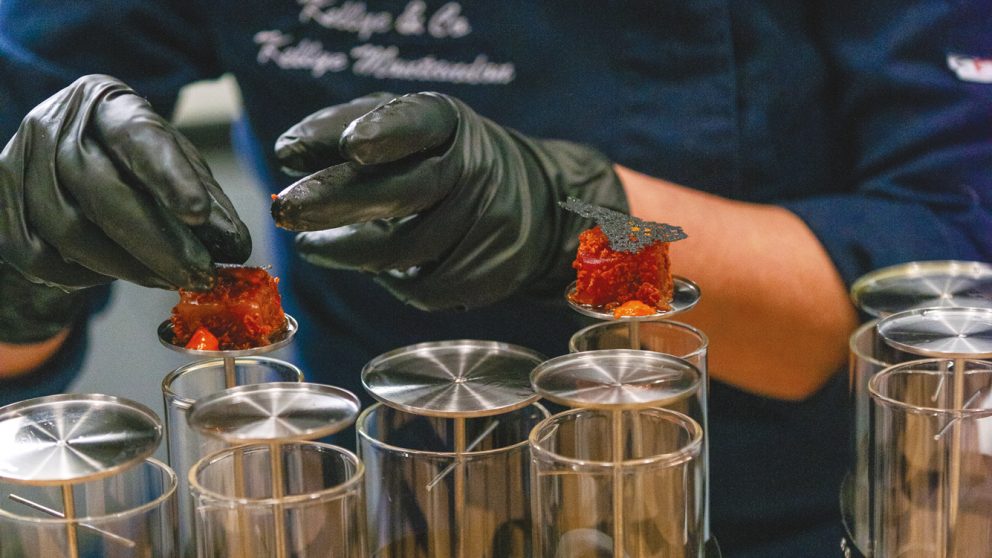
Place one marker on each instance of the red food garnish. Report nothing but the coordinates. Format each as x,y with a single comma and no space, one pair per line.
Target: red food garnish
275,197
607,279
243,310
203,340
633,308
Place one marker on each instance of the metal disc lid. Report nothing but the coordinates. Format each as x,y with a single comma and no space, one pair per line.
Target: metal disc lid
69,438
685,295
464,378
276,411
616,379
927,284
940,332
167,337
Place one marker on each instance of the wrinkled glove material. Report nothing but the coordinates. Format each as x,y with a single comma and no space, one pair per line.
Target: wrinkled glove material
447,208
95,186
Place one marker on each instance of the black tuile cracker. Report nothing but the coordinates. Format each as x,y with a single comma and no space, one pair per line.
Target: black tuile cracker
625,233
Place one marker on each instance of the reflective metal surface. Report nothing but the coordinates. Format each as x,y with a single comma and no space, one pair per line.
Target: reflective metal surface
684,297
615,379
72,438
940,332
166,337
463,378
280,411
924,285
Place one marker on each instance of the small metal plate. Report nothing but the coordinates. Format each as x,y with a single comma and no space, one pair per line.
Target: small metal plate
685,296
72,438
166,337
616,379
929,284
277,411
464,378
940,332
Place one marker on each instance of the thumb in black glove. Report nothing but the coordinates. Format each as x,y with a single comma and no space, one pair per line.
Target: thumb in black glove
447,208
96,186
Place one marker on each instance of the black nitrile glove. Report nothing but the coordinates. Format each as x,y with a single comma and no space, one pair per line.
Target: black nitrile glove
447,208
95,186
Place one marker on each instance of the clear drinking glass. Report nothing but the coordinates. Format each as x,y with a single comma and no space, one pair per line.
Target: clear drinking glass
321,513
410,484
868,355
130,514
180,389
666,337
932,459
661,484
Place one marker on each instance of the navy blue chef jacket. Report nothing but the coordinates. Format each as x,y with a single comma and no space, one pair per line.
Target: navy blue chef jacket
870,119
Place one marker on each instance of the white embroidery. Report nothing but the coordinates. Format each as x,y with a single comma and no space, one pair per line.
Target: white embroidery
376,61
971,68
352,17
385,63
310,55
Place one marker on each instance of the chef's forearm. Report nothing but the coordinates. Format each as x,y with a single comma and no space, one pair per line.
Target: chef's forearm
774,306
16,360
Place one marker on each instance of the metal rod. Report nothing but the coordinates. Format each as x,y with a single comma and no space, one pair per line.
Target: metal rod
955,461
460,448
470,447
634,329
967,405
618,483
55,513
69,513
230,375
278,480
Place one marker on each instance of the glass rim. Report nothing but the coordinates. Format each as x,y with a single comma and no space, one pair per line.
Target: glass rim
692,449
705,341
174,399
889,401
852,344
173,485
327,494
379,444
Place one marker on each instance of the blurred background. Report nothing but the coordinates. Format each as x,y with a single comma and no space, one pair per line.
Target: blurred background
125,357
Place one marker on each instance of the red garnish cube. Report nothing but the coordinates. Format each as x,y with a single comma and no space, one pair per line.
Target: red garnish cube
203,340
607,278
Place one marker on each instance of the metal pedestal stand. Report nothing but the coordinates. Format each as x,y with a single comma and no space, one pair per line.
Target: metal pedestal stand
185,446
67,440
955,334
274,414
456,380
881,293
617,381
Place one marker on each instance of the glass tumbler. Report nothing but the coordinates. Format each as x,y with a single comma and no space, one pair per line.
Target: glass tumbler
660,481
131,514
321,512
180,389
411,490
932,459
868,355
670,338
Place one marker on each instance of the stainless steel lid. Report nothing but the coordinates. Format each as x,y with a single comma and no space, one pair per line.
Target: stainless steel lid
283,411
685,296
928,284
616,379
70,438
167,338
940,332
464,378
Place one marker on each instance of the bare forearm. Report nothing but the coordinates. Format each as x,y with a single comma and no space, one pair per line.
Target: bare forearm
774,307
20,359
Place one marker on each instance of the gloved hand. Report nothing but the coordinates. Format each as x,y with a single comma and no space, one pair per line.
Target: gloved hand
447,208
95,186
